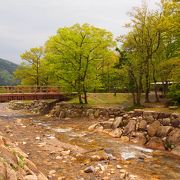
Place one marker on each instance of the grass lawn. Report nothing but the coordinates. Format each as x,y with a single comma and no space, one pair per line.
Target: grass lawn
107,99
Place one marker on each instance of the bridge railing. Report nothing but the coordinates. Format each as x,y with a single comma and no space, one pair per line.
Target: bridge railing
29,89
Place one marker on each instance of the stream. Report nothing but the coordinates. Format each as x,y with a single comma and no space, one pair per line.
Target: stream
140,161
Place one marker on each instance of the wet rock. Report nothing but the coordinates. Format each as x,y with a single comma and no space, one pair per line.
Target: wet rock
174,137
152,128
89,169
116,133
117,123
131,126
163,131
142,125
155,143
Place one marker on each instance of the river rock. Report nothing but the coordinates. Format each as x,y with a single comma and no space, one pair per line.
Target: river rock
165,121
117,123
93,126
138,112
116,133
140,138
175,122
152,129
131,126
163,131
142,125
155,143
174,137
89,169
106,124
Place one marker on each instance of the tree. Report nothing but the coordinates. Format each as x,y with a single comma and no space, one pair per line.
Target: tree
75,55
30,71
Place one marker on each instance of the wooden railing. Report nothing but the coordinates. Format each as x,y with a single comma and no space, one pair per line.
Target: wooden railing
29,89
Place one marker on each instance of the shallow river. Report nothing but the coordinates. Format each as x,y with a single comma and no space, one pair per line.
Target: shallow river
138,160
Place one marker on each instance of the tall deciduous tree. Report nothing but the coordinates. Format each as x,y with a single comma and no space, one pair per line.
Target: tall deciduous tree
75,55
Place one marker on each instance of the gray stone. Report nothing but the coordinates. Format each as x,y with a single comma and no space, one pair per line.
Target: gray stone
163,131
142,125
165,121
131,126
89,169
106,124
117,123
116,133
155,143
174,137
152,128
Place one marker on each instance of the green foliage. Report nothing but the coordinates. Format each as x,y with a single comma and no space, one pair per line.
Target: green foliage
174,93
76,54
33,69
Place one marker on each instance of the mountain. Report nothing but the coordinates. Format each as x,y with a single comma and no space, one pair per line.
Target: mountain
6,72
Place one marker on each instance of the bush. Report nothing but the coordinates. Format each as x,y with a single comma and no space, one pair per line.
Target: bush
174,93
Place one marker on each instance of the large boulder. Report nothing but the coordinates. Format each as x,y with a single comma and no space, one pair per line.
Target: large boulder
174,137
165,121
175,122
155,143
142,125
139,138
163,131
152,128
131,126
117,123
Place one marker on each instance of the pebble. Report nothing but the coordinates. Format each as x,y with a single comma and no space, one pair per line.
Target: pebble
37,138
65,153
119,167
89,169
52,172
58,157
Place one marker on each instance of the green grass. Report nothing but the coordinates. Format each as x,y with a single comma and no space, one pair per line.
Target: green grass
107,99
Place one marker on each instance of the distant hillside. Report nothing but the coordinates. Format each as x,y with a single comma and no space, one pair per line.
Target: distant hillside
6,72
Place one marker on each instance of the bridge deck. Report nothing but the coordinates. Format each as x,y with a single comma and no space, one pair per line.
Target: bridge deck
5,97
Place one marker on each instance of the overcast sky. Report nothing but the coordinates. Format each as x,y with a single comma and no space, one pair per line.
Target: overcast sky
29,23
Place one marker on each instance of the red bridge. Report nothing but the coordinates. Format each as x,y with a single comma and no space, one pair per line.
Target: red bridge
9,93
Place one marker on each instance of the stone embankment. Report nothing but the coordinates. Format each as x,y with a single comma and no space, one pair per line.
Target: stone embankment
153,129
65,110
14,163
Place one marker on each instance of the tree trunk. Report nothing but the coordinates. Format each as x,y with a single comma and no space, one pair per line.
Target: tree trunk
80,98
156,92
85,95
134,98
